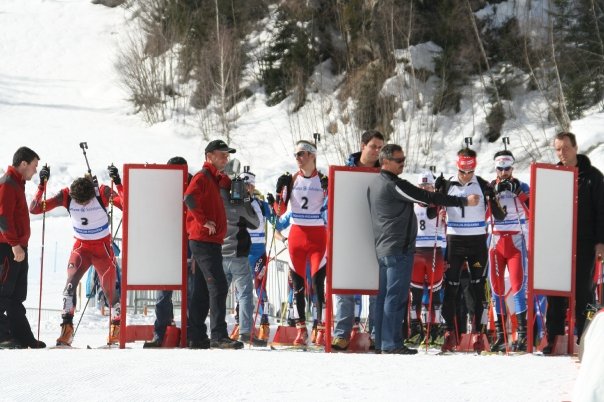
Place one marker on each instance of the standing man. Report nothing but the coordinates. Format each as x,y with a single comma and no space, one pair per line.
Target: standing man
372,142
15,331
467,244
508,249
391,201
590,238
240,216
206,227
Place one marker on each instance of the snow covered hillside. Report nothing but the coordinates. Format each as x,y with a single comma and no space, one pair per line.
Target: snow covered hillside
58,87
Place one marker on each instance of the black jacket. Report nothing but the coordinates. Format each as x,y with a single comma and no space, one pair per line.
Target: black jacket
590,211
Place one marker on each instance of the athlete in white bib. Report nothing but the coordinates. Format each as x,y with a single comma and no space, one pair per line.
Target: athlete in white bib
305,195
508,249
466,244
87,205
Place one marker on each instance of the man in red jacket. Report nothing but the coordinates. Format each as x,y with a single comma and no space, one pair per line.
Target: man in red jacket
15,331
206,227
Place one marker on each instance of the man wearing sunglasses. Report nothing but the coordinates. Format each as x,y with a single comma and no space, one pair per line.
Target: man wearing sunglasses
589,238
508,249
391,201
466,244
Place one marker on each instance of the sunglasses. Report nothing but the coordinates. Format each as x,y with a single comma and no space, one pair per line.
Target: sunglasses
397,160
464,172
504,169
300,154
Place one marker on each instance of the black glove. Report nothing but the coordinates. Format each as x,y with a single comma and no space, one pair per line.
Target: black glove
44,174
270,199
439,183
283,181
516,187
114,174
504,185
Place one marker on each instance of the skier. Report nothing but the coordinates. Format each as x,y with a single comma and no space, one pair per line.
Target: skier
428,266
348,309
87,204
395,230
466,243
305,195
15,331
508,248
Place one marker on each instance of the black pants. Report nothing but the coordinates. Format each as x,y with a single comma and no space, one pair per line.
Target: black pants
208,290
460,249
13,292
584,294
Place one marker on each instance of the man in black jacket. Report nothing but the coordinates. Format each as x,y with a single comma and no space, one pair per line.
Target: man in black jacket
590,238
391,202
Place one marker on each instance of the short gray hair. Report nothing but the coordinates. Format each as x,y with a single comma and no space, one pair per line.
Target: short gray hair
388,150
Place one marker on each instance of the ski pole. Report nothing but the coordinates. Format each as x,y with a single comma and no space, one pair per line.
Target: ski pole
94,290
493,249
42,253
430,313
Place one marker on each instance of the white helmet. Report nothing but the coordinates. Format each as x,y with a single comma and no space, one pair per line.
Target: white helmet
425,178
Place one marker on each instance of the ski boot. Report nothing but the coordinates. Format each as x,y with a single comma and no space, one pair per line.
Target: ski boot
499,344
235,333
114,332
301,335
66,334
450,341
320,338
478,343
520,344
417,333
265,329
313,332
339,343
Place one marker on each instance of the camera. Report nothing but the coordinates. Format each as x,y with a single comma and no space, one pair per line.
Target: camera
239,193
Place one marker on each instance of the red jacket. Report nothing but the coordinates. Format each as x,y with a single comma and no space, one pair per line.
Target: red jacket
204,204
14,216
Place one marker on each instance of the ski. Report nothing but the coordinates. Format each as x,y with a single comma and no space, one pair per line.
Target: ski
62,347
300,348
103,347
510,353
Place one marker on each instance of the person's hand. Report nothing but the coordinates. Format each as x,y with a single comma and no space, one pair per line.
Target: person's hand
19,253
473,200
516,189
44,174
211,226
270,199
283,181
600,252
505,185
114,174
439,182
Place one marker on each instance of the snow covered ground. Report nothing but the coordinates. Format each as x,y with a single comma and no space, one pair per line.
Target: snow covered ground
58,87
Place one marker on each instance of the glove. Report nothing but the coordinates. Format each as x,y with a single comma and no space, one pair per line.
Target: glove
439,183
283,181
270,199
114,174
44,174
516,187
504,185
